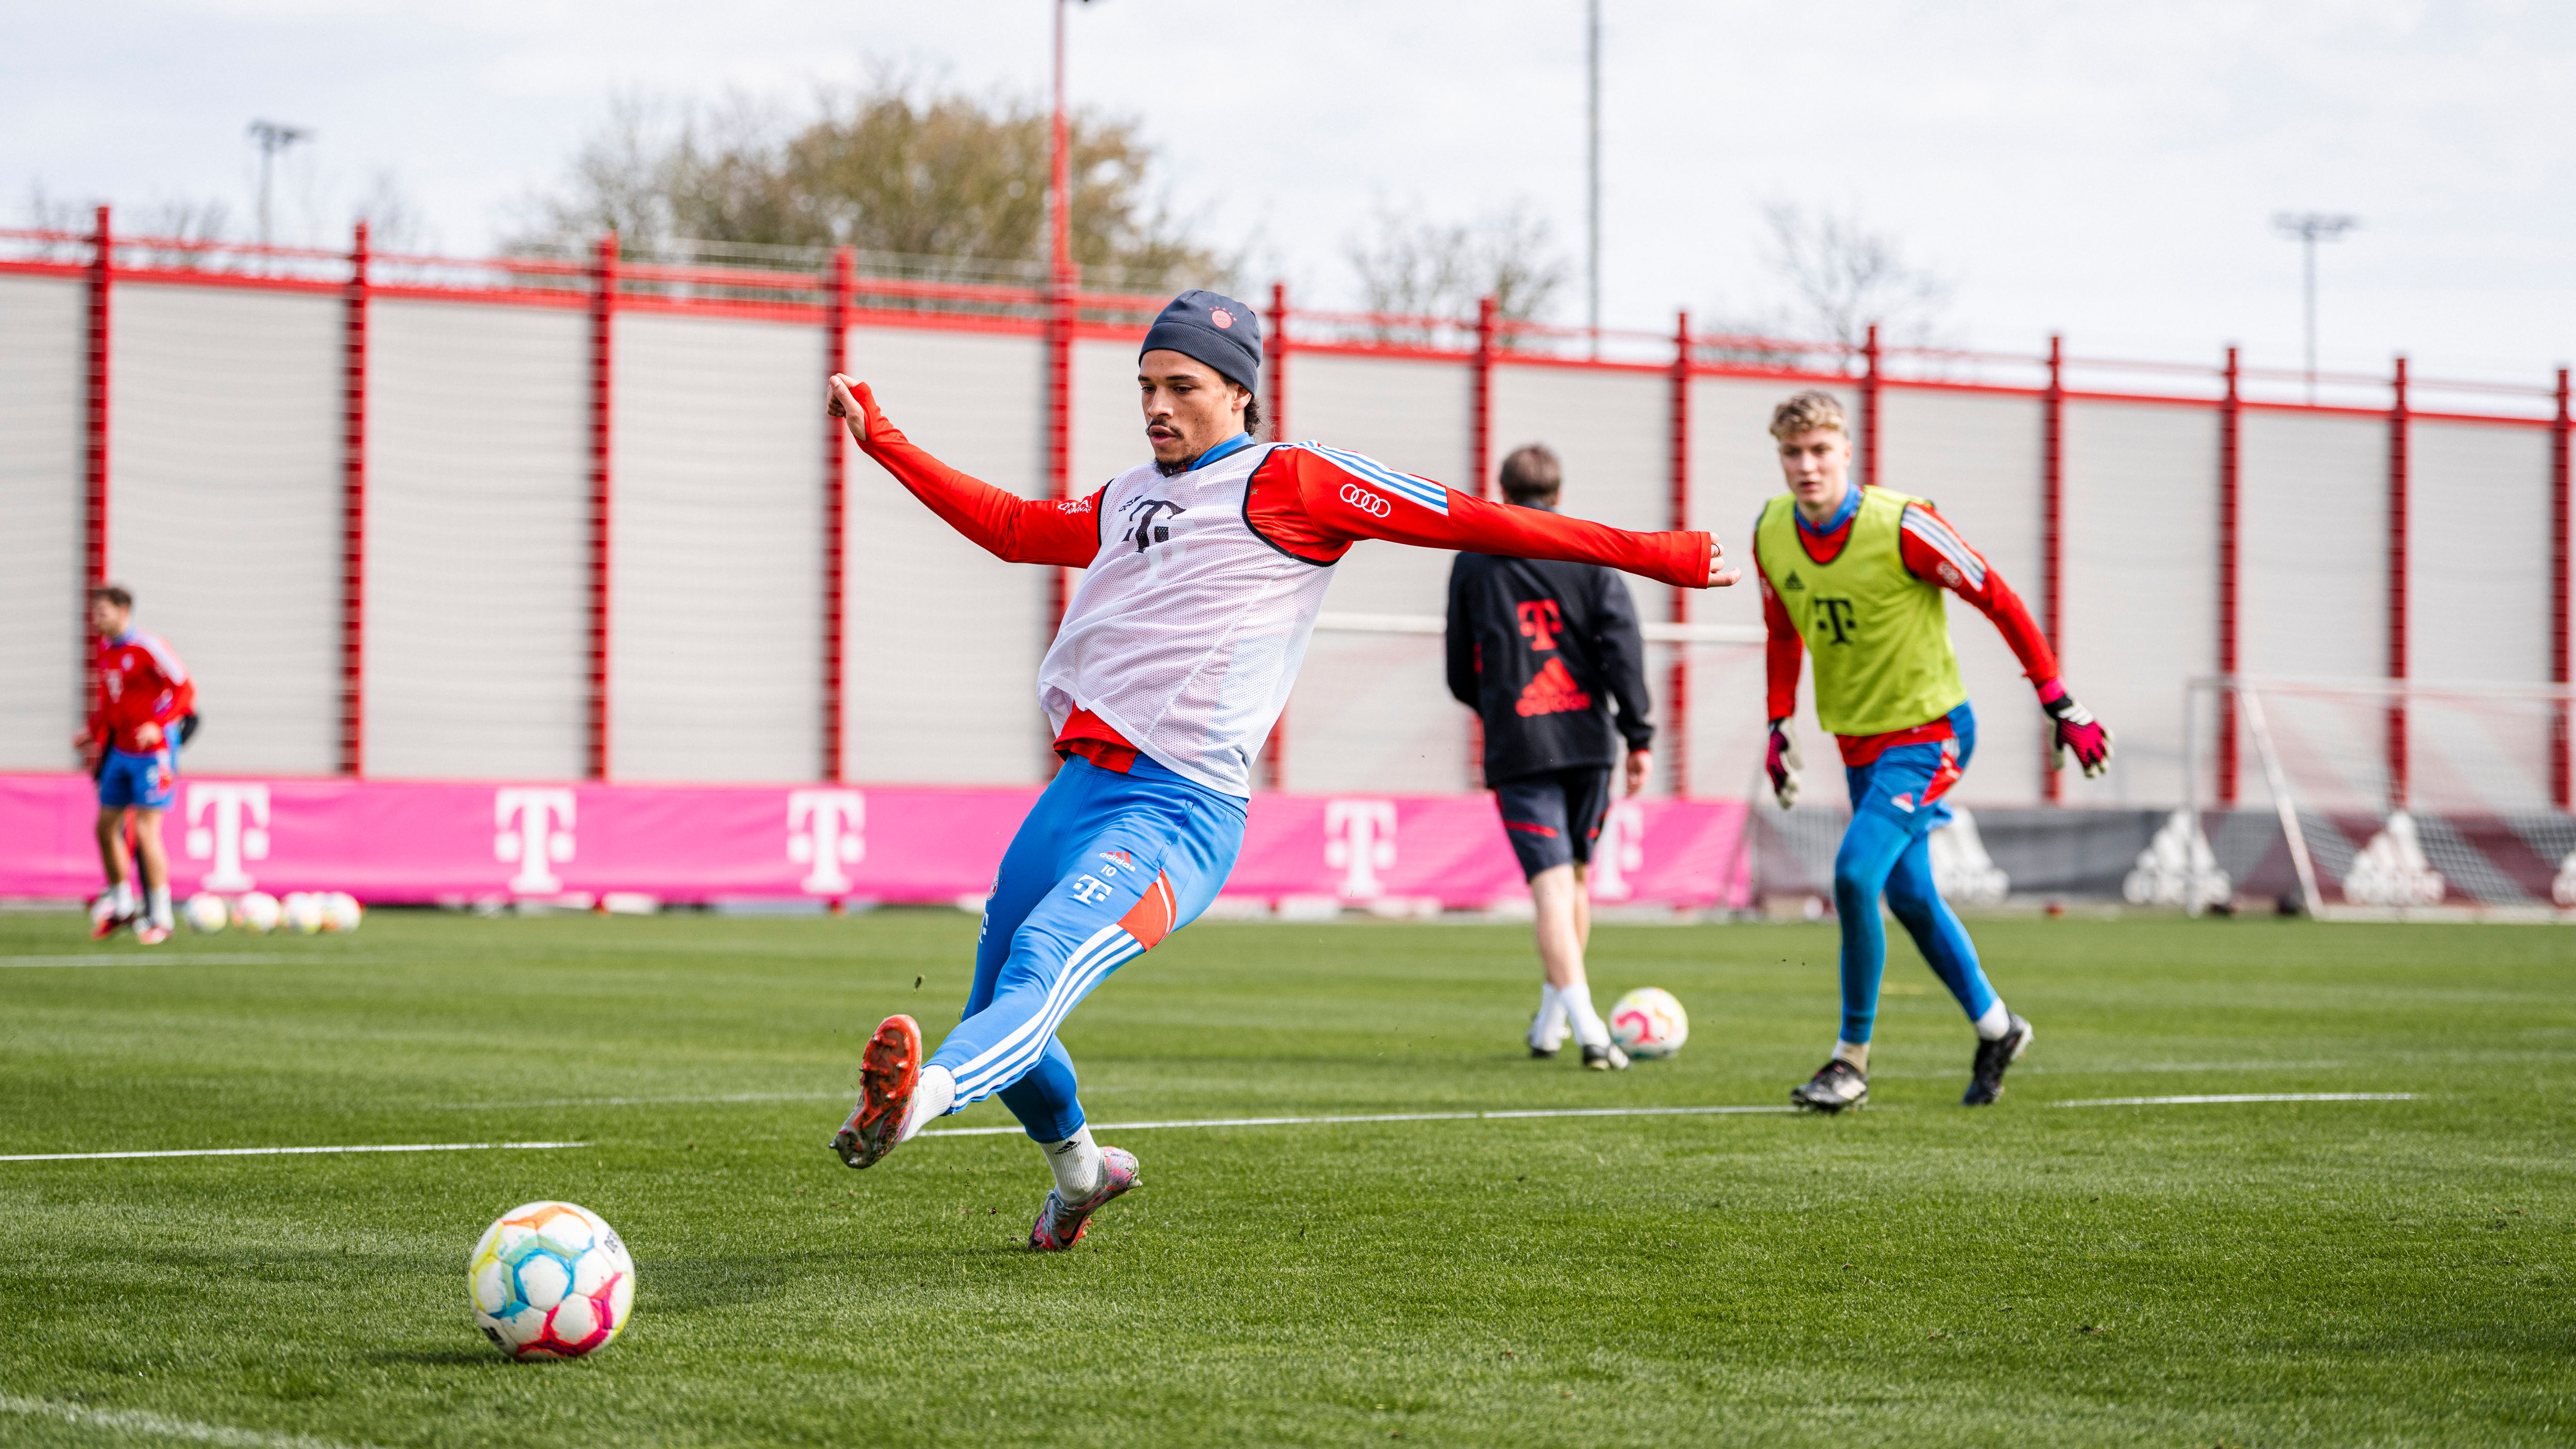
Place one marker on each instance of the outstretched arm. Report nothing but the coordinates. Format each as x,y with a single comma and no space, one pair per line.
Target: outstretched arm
1011,528
1313,501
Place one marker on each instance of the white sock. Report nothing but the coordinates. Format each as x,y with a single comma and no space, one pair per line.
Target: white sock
932,1096
1995,1023
1547,1030
1588,1026
1076,1164
161,906
123,895
1854,1052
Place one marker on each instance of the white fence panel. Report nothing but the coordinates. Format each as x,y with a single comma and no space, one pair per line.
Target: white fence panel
2141,554
1976,456
2312,552
716,554
224,509
944,638
1374,712
478,592
2478,565
43,338
1107,421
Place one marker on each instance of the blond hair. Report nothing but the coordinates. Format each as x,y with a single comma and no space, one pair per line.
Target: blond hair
1807,412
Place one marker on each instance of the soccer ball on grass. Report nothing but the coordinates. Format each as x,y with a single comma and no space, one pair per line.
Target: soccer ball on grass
341,912
300,912
256,911
551,1280
1647,1022
206,912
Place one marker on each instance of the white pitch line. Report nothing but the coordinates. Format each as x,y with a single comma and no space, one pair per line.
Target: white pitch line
156,958
2242,1097
1382,1117
287,1151
843,1096
144,1421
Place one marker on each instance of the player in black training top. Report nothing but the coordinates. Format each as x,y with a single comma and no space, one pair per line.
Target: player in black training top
1541,651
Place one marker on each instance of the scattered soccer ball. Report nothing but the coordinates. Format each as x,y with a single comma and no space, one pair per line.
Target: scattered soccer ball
256,911
551,1280
206,913
341,912
1647,1022
300,912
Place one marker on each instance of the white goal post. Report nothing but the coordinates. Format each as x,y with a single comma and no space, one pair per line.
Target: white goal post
2387,799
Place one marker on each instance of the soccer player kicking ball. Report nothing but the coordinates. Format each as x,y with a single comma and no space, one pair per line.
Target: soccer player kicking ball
1206,568
139,691
1854,575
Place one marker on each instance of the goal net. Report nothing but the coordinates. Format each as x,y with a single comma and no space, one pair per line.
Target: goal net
2372,799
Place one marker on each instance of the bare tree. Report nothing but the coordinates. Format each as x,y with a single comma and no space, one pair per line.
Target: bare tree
887,168
1841,276
179,219
393,216
1419,268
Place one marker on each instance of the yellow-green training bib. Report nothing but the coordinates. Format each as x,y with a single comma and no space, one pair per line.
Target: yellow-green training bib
1879,635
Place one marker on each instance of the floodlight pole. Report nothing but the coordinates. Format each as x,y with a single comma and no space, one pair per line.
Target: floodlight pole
272,138
2311,227
1592,169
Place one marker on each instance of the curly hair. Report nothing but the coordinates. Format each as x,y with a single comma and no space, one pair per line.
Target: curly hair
1807,412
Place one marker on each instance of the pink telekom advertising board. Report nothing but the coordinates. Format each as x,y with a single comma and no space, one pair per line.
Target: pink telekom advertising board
396,842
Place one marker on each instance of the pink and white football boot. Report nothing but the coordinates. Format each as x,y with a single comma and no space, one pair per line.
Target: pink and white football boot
1061,1224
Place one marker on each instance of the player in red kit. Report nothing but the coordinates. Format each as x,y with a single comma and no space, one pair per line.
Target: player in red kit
138,693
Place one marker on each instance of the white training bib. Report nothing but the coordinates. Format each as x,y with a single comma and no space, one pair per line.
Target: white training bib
1188,631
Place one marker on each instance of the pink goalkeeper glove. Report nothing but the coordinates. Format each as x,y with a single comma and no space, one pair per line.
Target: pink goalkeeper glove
1780,760
2075,729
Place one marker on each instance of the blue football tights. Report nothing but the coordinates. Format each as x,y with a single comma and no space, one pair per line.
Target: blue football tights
1880,854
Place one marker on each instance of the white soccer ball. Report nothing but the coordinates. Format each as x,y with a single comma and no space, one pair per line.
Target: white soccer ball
300,912
1648,1022
341,911
256,911
206,912
551,1280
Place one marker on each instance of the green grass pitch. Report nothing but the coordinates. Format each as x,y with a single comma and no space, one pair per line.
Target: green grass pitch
2328,1273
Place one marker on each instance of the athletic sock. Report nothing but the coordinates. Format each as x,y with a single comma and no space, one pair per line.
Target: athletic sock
123,896
1995,1024
1854,1052
1547,1029
161,907
932,1096
1588,1027
1076,1164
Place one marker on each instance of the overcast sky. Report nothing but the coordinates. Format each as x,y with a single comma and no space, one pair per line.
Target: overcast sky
2109,170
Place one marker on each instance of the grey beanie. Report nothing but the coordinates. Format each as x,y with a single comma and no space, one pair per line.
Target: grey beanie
1215,329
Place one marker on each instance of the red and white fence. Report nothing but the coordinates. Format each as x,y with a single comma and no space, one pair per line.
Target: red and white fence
416,518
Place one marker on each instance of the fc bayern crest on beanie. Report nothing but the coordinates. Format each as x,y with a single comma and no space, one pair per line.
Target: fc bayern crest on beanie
1215,329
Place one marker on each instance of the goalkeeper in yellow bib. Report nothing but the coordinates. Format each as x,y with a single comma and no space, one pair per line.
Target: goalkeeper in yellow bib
1855,576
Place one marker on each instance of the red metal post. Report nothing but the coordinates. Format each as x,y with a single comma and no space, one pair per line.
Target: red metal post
603,311
1480,421
2052,523
1869,410
836,499
1274,751
353,513
2558,596
1062,282
1677,691
2230,410
102,267
2397,430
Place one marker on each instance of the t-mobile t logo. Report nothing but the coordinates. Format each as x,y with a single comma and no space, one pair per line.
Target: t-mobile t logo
1359,841
536,834
227,824
823,831
1621,848
1541,623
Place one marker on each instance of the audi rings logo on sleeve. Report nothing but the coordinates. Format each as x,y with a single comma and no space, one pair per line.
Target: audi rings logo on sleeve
1365,501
